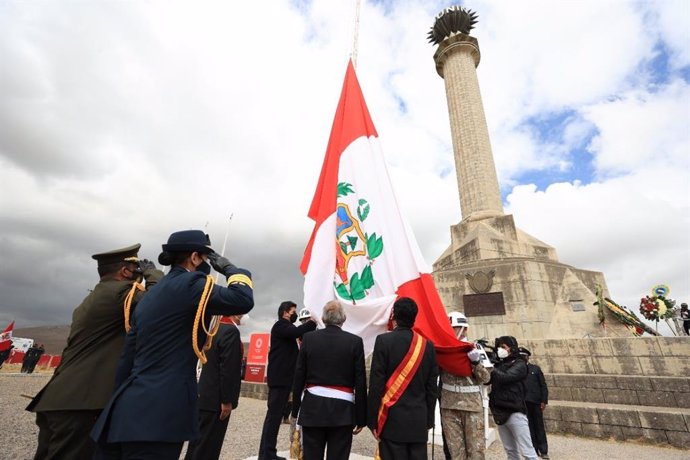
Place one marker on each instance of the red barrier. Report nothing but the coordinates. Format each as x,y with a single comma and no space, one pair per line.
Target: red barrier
16,357
43,361
55,361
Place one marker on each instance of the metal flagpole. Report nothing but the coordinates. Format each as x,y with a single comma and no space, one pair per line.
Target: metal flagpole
355,34
225,241
215,319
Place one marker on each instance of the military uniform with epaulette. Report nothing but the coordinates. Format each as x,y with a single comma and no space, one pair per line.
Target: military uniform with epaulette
154,407
67,407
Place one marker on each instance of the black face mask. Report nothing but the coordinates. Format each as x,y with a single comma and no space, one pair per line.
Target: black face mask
293,317
204,268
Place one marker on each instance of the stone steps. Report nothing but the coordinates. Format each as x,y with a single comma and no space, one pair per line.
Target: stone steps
620,421
636,390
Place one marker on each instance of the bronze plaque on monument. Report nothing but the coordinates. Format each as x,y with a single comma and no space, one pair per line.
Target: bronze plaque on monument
484,304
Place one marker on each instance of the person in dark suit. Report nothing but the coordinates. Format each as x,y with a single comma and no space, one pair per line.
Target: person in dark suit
411,401
282,358
35,358
330,372
67,407
154,408
536,400
219,390
28,357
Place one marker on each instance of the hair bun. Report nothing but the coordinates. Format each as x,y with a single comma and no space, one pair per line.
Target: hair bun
165,258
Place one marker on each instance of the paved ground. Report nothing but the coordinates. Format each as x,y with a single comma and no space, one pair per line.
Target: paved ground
18,439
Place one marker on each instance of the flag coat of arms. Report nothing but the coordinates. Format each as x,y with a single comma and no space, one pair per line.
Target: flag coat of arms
362,252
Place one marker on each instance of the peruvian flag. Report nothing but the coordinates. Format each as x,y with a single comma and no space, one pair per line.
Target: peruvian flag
6,337
362,251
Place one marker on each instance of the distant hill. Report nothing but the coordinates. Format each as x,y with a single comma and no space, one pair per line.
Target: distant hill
53,338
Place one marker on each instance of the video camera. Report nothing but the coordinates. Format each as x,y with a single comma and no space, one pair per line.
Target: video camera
489,357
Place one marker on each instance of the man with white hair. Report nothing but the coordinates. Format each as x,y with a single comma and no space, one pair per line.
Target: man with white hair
330,372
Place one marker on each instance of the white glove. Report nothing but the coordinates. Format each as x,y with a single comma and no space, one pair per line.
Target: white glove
474,355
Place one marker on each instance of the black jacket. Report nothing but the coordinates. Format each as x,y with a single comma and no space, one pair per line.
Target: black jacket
413,415
330,356
507,387
536,390
283,354
221,376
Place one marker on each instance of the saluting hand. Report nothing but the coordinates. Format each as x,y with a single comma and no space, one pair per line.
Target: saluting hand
221,264
225,411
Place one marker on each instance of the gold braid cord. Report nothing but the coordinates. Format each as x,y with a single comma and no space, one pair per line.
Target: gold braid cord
128,303
200,313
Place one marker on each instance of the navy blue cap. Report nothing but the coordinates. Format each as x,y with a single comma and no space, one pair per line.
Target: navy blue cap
188,240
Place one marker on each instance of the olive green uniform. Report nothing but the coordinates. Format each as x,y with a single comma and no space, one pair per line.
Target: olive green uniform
67,407
462,413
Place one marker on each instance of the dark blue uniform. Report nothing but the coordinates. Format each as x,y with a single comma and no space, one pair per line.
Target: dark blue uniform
156,390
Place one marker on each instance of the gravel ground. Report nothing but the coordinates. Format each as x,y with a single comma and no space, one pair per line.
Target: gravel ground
18,441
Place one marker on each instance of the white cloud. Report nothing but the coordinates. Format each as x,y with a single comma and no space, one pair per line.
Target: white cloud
642,130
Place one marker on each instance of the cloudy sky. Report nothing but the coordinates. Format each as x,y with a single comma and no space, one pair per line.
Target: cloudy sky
121,122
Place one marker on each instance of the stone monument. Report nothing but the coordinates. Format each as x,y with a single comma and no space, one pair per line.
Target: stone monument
506,281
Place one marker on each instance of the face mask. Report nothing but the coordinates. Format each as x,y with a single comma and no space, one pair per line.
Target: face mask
204,268
502,353
293,317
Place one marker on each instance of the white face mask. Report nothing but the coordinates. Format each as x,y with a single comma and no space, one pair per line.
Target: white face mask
502,353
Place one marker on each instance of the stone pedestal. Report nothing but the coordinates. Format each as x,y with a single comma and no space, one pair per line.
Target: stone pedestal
509,283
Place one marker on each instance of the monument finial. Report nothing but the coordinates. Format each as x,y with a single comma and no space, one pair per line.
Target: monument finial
452,20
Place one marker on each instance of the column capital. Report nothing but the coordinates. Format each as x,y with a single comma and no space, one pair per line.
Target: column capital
454,43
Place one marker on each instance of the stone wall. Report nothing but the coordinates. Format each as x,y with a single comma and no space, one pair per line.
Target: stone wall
649,356
624,388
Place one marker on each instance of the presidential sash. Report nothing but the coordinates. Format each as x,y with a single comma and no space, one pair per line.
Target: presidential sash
400,379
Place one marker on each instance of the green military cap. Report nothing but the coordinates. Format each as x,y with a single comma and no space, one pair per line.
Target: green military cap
128,254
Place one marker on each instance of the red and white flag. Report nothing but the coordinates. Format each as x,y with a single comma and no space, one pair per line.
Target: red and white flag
362,252
6,337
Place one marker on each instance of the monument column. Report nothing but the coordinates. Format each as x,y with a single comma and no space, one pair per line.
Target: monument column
456,60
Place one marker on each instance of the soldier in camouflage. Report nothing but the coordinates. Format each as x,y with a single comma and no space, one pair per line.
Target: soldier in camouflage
462,409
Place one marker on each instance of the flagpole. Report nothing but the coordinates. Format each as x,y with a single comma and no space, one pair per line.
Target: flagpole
225,241
215,318
355,34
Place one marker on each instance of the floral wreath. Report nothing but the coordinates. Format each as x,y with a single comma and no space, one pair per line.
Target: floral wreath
657,307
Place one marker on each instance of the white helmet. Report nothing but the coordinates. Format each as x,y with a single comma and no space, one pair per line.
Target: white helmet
304,314
457,319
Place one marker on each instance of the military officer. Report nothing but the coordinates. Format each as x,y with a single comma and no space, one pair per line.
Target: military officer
67,407
462,409
154,408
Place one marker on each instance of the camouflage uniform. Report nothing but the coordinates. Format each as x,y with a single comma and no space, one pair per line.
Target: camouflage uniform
462,413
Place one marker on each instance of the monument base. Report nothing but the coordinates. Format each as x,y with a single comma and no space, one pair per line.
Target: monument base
509,283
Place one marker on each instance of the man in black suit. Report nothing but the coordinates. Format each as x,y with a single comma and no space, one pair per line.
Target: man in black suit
281,369
330,366
402,387
219,390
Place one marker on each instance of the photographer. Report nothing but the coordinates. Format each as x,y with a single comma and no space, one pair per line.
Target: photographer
507,400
